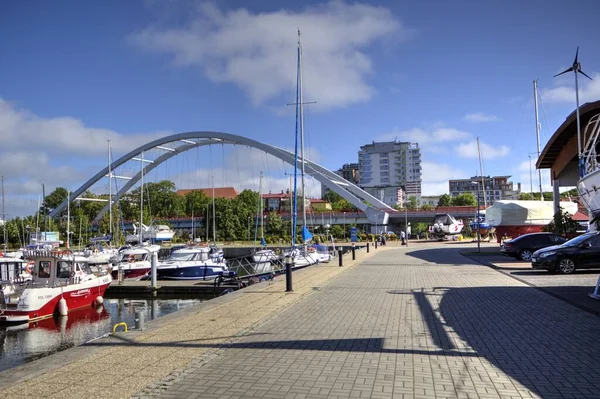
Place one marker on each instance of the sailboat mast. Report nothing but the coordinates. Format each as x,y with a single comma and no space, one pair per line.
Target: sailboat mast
481,172
3,217
141,197
68,219
301,107
110,225
262,208
295,208
537,133
213,209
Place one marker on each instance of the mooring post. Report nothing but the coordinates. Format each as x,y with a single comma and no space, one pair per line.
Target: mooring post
353,252
288,273
340,262
120,275
139,320
375,243
368,247
153,266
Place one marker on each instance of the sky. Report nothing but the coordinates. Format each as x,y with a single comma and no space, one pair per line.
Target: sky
76,74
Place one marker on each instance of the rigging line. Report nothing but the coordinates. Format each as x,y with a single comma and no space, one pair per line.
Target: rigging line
224,164
545,119
251,164
237,165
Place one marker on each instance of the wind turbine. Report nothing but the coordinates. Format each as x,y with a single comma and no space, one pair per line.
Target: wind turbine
576,67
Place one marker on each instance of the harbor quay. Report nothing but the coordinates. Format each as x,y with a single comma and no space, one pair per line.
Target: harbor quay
423,321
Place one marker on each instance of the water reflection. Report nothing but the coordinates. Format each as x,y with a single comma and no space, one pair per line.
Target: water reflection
27,342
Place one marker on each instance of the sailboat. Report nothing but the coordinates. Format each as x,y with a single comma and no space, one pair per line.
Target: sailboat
262,257
135,261
300,256
479,224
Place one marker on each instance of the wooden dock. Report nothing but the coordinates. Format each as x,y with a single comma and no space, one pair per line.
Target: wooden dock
167,289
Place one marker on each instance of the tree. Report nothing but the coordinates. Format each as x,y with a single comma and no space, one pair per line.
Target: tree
274,224
426,207
53,200
412,203
464,199
332,197
548,196
562,224
445,200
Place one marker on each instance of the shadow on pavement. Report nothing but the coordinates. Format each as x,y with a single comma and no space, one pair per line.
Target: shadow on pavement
539,342
442,256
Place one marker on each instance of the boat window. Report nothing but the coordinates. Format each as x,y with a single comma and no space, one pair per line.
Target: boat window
85,267
182,256
63,269
203,255
44,269
133,257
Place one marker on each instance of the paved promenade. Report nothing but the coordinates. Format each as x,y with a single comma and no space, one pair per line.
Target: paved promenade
422,321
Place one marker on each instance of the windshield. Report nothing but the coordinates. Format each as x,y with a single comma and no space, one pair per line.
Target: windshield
181,256
578,240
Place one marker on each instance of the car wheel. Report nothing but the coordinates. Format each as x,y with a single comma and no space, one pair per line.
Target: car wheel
525,255
566,266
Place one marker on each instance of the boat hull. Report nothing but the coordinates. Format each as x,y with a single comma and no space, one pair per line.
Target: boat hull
46,302
129,273
589,192
189,273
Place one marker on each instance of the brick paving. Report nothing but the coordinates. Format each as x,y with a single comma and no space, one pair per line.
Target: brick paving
417,322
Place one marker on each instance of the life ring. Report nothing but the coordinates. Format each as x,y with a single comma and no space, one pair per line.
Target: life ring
29,267
95,250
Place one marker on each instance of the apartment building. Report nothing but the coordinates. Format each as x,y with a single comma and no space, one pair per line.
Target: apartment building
496,188
386,167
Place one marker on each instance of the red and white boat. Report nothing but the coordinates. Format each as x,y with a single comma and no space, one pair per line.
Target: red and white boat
513,218
61,282
135,261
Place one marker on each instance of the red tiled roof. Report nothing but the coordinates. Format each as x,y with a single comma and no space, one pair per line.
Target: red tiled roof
278,195
220,192
317,201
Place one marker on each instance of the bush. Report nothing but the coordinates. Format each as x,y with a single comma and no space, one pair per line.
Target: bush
562,224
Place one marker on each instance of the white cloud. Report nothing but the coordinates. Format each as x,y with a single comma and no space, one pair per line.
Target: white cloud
21,129
425,136
469,150
589,90
522,174
257,51
435,177
480,117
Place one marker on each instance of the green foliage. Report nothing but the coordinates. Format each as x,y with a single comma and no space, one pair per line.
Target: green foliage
562,224
426,207
53,200
274,224
548,196
464,199
445,200
412,203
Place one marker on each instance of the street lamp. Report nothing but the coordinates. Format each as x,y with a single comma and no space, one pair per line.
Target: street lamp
477,218
406,222
344,226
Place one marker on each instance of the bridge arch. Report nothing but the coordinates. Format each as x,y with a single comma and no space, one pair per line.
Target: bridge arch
376,211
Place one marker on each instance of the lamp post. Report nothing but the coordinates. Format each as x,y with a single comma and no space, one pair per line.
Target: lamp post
344,226
477,218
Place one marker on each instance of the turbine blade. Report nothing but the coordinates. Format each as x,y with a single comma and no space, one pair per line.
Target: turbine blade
584,74
565,71
576,55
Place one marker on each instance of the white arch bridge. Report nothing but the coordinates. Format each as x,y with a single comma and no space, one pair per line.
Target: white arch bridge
376,211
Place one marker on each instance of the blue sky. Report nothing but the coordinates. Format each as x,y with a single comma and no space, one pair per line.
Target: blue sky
75,74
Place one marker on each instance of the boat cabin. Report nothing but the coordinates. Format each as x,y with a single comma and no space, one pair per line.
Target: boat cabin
55,268
191,254
12,270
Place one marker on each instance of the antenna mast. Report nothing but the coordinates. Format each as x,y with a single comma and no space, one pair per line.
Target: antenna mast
537,132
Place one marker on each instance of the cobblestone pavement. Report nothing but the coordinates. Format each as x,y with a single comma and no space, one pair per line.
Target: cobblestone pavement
410,322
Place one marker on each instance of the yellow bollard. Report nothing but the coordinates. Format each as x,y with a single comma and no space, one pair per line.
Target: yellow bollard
118,325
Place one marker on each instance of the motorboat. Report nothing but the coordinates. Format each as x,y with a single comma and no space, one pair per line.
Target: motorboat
590,181
480,224
14,272
153,233
513,218
264,256
445,225
135,261
61,283
192,263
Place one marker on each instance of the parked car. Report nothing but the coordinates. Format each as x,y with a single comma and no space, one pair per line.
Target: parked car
581,252
524,246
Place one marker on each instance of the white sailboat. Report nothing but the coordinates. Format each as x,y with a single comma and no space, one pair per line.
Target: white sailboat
262,257
300,256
